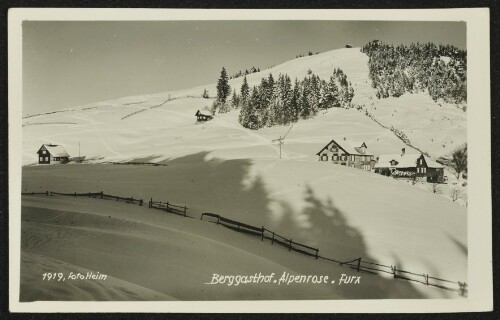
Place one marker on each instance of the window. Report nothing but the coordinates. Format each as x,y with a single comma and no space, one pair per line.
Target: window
41,159
344,157
352,158
44,151
418,170
423,170
46,158
335,158
334,149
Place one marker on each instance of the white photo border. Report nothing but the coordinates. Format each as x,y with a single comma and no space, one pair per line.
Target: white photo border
480,285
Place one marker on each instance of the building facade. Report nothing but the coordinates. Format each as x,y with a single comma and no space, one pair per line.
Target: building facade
409,166
346,153
52,154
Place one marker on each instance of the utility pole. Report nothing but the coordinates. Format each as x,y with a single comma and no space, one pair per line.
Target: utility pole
281,140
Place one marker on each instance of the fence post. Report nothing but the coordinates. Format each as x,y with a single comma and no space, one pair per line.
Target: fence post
272,240
359,264
218,218
290,246
167,205
151,203
394,269
317,252
262,239
51,193
89,194
75,193
47,193
462,287
140,202
185,209
102,194
426,277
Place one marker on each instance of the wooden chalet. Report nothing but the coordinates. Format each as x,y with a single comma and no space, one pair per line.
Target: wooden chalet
345,153
200,117
52,154
409,166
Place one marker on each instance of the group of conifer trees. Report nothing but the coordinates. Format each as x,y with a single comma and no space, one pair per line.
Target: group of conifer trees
439,70
244,73
279,101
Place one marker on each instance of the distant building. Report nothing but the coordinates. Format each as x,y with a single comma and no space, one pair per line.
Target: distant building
200,117
409,165
51,153
347,153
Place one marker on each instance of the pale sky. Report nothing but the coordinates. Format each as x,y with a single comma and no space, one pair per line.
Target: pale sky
67,64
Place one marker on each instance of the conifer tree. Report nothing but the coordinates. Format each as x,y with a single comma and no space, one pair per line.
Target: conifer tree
245,90
235,100
223,88
205,94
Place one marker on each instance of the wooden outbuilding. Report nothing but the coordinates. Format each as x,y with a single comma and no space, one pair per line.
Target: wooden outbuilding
200,117
410,166
52,154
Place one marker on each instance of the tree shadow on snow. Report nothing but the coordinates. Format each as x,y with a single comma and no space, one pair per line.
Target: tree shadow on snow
326,227
224,187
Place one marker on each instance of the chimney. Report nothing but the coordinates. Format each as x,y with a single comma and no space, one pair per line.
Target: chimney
403,151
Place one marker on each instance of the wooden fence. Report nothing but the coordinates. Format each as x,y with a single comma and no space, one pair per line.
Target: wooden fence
357,264
100,195
290,244
46,193
137,163
168,207
263,233
235,225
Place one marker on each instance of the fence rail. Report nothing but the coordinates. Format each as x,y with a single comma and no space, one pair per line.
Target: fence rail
261,231
100,195
235,225
46,193
137,163
168,207
290,244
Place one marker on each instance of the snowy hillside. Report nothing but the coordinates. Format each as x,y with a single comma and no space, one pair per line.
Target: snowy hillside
163,125
219,166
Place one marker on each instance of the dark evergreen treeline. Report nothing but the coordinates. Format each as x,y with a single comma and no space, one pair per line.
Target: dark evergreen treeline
441,70
310,53
244,73
279,101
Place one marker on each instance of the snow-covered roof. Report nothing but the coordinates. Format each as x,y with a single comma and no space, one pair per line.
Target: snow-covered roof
407,160
349,146
55,150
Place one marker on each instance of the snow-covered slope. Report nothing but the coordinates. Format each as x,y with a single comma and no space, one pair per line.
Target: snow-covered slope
221,167
164,124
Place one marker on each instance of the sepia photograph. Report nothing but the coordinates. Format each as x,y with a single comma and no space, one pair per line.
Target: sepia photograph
239,159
